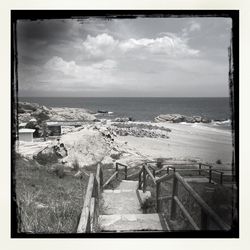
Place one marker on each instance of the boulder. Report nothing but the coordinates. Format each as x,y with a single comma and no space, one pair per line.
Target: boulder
122,119
176,118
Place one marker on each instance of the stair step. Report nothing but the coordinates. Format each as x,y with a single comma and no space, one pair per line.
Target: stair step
120,203
127,185
130,222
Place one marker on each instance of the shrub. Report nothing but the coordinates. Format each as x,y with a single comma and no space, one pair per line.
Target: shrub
59,171
46,159
218,161
76,165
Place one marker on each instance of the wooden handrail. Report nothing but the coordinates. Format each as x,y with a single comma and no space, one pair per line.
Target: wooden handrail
117,164
205,208
90,210
110,178
186,213
150,174
84,223
165,178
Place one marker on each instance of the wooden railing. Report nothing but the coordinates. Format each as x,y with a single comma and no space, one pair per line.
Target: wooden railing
206,212
90,211
199,167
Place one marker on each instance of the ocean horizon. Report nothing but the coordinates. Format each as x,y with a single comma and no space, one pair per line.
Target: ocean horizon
143,108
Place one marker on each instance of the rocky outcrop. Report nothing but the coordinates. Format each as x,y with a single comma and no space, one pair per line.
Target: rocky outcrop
51,154
123,119
27,111
176,118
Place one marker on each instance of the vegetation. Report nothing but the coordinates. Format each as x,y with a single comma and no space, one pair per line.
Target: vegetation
48,200
218,161
76,165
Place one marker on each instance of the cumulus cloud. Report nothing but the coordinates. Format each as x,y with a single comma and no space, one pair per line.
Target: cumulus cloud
71,68
100,44
106,45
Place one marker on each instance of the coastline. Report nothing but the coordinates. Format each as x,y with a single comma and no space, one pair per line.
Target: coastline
101,140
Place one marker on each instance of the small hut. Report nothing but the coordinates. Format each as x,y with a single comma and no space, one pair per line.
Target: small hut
26,134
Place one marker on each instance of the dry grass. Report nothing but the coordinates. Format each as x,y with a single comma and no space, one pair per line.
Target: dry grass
46,202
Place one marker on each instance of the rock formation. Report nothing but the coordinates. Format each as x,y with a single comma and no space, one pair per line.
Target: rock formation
176,118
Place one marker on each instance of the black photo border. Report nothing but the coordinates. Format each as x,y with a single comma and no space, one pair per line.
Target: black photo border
82,14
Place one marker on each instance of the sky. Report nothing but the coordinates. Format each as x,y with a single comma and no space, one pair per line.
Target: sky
142,57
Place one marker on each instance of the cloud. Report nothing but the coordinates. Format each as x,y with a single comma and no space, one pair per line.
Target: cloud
194,26
169,44
191,27
100,44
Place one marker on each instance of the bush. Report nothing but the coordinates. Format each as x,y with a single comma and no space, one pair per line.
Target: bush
219,162
59,171
46,159
76,165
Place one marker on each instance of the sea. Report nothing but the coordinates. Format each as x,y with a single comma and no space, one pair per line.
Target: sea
145,108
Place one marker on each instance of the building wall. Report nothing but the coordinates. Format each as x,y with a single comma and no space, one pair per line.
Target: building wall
26,137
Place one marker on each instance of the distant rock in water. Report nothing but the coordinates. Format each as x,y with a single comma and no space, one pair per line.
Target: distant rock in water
102,111
123,119
176,118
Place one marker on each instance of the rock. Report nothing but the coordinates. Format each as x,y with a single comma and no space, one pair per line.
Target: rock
122,119
197,118
205,120
170,118
27,107
176,118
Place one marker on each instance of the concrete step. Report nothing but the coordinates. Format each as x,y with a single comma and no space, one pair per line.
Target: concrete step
120,202
127,185
131,223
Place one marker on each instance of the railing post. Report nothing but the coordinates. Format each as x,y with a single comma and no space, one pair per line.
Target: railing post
116,169
154,172
204,220
144,179
174,193
158,187
139,185
199,168
126,172
210,174
101,179
221,178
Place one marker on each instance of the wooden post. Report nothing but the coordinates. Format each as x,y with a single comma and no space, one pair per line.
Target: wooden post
175,193
221,178
204,220
126,172
101,179
116,169
158,187
199,168
144,179
139,186
210,175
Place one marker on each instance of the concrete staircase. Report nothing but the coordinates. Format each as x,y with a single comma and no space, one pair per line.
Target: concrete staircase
121,210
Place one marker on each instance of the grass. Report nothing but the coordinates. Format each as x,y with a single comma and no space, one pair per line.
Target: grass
48,202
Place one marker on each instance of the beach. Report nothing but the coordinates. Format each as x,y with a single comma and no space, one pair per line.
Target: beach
130,142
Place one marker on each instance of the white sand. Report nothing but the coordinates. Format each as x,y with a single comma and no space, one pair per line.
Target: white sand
187,141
